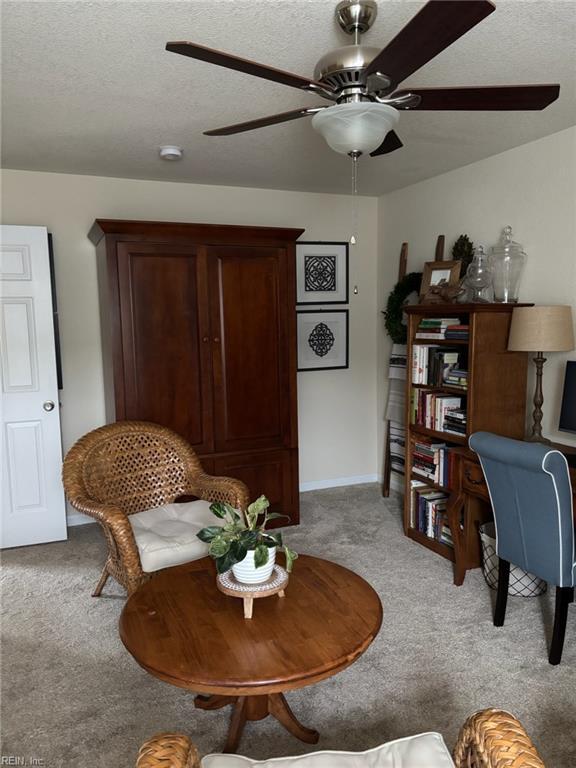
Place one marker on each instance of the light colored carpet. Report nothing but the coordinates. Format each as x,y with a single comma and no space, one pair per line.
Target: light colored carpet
73,697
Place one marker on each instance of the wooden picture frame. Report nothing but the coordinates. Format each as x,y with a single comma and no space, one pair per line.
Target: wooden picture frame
321,272
436,271
322,339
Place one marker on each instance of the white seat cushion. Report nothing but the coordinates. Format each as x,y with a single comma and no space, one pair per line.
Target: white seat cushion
427,750
166,536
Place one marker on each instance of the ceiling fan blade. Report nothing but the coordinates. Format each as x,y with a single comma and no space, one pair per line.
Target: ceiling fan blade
282,117
497,97
390,144
222,59
439,24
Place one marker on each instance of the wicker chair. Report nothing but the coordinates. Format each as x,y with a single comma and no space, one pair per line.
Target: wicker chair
131,466
489,739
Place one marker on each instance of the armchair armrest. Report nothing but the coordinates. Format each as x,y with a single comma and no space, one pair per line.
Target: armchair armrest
116,527
168,750
493,738
227,489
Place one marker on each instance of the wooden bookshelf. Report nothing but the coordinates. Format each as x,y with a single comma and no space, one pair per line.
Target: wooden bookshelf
494,400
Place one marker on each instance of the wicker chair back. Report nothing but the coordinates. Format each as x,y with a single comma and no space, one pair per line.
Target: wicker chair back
132,465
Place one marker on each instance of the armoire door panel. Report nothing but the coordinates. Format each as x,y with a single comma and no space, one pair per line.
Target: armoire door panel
264,472
165,343
248,323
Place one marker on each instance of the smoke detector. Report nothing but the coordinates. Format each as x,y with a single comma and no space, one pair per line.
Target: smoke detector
171,152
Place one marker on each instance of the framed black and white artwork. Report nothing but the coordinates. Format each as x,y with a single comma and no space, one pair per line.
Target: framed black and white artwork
321,273
322,339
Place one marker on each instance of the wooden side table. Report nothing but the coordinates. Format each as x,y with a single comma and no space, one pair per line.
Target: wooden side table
180,628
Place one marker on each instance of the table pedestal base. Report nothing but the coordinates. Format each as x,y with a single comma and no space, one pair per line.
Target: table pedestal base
256,708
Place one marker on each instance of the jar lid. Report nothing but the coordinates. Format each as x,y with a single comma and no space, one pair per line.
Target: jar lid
507,246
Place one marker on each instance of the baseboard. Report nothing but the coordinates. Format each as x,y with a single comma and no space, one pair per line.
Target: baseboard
317,485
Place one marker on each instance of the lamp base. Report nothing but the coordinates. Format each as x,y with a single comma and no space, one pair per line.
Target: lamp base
536,434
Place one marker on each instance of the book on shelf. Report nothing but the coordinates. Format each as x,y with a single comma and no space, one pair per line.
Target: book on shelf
457,377
431,409
435,327
455,421
459,331
433,461
435,366
428,512
445,536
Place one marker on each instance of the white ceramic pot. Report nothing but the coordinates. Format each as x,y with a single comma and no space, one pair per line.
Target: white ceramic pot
246,572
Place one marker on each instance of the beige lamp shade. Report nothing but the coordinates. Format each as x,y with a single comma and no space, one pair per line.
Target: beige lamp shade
541,329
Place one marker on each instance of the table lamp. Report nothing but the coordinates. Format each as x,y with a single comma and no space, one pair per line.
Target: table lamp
541,329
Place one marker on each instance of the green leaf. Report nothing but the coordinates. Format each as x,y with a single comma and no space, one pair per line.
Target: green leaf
238,550
260,505
232,528
225,562
219,509
234,514
209,533
290,557
218,547
260,555
272,539
249,538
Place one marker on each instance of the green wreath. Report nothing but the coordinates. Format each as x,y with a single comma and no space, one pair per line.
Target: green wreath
393,313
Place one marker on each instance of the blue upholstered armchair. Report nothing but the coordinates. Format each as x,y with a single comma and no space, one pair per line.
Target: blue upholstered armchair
531,497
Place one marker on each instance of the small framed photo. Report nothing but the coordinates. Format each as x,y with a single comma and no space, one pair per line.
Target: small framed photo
321,273
322,339
436,271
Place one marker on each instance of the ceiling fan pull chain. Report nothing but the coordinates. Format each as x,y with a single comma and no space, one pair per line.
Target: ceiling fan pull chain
354,156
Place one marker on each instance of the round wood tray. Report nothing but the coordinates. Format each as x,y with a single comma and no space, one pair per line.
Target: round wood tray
275,585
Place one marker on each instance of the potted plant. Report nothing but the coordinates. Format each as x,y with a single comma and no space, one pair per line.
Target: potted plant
242,542
463,250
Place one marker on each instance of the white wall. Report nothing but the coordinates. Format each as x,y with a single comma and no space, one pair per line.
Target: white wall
532,188
336,408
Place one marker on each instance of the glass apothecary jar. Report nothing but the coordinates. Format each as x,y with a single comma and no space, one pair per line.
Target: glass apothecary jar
508,260
478,276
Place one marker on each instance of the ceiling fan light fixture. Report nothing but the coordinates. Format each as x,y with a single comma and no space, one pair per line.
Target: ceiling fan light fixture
357,127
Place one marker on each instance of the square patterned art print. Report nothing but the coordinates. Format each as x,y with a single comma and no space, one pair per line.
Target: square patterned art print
322,339
322,273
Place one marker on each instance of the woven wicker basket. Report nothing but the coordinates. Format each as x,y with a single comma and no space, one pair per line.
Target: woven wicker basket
521,584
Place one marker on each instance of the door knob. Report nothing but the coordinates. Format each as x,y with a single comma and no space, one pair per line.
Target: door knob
205,339
48,405
216,340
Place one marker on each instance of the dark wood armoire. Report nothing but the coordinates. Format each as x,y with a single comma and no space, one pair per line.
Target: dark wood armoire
199,334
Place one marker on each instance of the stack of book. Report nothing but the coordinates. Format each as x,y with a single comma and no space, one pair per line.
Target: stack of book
431,365
457,377
455,422
433,461
430,409
457,331
428,512
435,327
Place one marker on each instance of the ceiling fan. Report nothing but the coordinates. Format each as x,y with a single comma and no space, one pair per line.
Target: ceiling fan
362,81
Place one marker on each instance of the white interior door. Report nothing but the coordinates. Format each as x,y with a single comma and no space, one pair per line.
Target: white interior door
33,508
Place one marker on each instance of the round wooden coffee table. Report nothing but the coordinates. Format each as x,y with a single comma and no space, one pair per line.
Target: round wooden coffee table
181,628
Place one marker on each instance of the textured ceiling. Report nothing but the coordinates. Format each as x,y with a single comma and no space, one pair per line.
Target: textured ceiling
88,88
